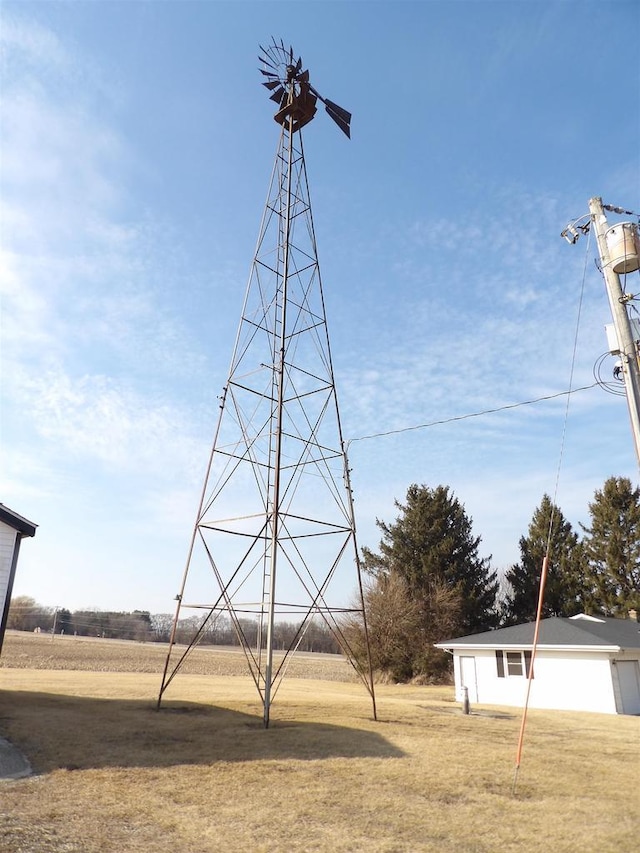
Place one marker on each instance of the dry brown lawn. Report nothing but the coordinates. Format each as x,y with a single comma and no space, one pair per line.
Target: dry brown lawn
201,775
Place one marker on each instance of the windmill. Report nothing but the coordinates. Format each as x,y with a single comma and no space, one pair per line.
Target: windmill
294,93
274,539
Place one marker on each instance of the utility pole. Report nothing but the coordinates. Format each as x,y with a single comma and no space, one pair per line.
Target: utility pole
618,302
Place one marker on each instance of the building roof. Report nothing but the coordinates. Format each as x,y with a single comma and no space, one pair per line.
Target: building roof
18,522
576,632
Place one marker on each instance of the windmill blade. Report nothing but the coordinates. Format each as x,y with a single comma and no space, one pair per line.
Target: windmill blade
267,60
341,116
267,73
278,95
298,65
271,84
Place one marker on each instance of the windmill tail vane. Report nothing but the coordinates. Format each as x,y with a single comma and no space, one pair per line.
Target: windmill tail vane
291,90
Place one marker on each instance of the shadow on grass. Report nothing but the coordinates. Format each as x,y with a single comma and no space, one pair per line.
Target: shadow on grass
81,733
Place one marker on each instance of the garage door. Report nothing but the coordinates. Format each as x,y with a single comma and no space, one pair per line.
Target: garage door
629,683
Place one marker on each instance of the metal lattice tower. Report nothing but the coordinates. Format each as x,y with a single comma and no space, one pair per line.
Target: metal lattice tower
275,534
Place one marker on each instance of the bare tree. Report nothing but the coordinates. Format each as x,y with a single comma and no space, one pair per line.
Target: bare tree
403,627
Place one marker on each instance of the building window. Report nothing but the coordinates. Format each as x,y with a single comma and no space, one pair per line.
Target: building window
513,664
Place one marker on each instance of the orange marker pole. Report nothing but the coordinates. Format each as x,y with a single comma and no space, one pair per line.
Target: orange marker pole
523,724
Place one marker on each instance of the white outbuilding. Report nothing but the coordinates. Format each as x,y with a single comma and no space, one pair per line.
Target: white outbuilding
583,663
13,528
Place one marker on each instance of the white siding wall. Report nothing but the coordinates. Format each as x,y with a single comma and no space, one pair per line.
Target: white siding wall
7,545
575,681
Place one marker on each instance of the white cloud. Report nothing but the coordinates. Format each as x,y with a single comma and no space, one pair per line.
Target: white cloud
27,42
90,348
82,311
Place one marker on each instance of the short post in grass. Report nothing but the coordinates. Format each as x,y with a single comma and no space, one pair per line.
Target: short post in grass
465,700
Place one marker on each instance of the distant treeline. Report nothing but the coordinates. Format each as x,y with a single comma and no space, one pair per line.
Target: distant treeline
25,614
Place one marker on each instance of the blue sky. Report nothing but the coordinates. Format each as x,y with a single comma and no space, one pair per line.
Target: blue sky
137,146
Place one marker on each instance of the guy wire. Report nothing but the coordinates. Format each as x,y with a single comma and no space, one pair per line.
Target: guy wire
545,561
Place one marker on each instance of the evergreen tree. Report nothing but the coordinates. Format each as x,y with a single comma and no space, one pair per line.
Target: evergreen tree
564,588
431,543
612,547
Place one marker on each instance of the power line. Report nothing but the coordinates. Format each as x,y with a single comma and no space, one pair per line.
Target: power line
473,414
